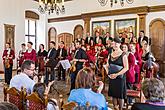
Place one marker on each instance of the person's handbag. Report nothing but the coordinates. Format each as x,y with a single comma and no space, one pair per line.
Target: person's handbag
113,69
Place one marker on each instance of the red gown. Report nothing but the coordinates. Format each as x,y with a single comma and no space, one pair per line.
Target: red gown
130,75
30,56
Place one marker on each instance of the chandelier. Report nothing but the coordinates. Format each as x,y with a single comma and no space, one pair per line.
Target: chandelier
51,6
104,2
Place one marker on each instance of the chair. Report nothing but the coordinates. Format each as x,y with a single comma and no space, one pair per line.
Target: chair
36,103
75,106
134,93
15,96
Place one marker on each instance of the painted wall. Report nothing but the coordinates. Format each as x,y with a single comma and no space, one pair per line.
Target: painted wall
12,12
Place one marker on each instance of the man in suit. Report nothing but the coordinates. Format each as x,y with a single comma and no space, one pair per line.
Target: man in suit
143,37
97,37
106,38
61,55
88,38
51,62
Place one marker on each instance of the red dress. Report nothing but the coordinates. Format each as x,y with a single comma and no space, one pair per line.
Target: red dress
91,56
104,54
130,75
30,56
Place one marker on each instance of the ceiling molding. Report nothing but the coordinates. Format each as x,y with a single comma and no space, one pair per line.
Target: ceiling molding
64,18
157,8
134,10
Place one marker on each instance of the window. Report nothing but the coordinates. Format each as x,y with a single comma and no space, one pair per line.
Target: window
30,31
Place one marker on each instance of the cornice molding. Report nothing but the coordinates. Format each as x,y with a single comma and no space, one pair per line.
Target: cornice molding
134,10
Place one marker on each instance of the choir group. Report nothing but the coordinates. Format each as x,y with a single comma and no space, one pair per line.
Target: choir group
122,59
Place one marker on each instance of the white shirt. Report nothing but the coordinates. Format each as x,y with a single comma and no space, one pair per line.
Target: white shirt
22,80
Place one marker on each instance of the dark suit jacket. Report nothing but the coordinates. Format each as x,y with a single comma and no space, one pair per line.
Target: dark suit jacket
144,38
64,53
52,56
99,38
86,40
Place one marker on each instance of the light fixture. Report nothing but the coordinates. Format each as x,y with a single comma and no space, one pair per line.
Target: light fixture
51,6
104,2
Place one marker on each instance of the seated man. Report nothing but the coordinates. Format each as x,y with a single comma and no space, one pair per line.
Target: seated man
23,79
83,93
154,92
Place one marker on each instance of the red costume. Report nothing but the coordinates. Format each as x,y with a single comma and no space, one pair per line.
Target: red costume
104,54
30,55
130,75
5,54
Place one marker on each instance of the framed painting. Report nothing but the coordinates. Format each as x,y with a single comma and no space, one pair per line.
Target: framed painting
125,26
102,27
10,35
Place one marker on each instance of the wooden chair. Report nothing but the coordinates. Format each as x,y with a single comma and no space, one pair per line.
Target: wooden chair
137,94
36,103
15,96
74,105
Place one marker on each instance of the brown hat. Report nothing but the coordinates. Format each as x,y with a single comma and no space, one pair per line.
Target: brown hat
117,40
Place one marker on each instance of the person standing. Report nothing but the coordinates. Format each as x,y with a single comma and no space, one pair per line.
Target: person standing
41,56
30,54
8,56
61,55
117,77
51,62
21,54
88,38
80,58
142,37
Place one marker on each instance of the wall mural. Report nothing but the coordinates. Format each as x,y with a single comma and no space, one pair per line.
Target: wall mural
101,26
10,34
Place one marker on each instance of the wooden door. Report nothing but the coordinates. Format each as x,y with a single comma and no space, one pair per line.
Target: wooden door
157,34
78,30
66,37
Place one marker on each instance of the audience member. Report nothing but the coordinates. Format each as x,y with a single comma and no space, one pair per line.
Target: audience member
83,93
8,106
42,90
23,79
154,92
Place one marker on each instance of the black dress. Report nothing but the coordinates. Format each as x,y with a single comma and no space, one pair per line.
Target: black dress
117,87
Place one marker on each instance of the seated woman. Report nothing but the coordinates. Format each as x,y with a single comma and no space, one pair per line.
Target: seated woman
83,93
154,92
41,89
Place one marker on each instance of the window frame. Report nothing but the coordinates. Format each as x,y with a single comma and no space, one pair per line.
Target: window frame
28,28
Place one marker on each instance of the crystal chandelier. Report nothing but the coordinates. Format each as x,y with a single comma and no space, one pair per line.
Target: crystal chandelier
51,6
104,2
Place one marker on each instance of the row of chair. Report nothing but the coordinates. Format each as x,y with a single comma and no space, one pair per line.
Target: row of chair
24,101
